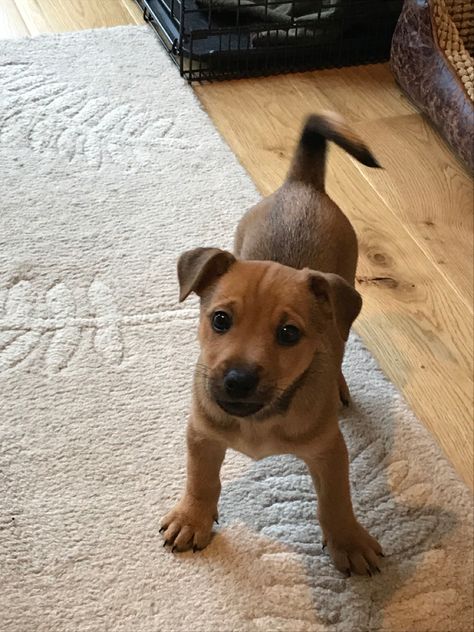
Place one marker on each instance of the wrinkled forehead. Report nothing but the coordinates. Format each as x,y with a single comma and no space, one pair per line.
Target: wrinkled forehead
253,284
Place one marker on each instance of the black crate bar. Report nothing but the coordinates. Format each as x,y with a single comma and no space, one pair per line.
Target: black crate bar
208,43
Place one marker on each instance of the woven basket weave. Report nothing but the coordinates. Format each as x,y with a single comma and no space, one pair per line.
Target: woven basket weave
454,29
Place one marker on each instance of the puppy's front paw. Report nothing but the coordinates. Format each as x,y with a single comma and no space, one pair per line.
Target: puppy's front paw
188,525
353,550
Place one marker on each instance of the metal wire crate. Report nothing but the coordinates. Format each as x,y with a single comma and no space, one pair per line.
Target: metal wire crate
222,39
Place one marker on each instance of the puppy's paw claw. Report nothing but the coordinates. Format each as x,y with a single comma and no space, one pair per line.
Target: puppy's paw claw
188,525
355,552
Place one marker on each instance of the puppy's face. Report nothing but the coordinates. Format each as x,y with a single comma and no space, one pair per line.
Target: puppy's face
259,331
261,325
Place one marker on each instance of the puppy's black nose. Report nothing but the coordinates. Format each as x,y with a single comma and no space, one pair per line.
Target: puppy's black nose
240,382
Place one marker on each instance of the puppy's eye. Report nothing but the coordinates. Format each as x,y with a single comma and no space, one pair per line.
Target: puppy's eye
288,335
221,322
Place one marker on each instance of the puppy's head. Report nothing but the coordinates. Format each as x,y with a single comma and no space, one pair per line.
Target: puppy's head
261,325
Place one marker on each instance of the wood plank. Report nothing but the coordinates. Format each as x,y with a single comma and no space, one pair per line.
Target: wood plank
134,10
414,320
11,22
361,94
433,196
33,16
45,16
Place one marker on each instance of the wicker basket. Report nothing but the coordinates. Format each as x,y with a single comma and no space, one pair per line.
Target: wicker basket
453,22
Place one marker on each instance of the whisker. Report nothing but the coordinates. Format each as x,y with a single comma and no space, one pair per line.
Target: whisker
201,374
201,370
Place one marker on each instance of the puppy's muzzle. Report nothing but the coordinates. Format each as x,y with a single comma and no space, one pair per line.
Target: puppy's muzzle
237,393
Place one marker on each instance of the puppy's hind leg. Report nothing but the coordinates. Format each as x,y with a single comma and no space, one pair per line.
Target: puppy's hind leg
344,394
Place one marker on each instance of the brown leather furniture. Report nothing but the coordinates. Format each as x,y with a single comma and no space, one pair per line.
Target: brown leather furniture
432,61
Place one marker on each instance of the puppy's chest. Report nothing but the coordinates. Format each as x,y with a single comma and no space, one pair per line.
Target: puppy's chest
259,440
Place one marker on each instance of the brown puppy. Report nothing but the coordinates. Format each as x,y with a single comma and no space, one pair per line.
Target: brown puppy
272,332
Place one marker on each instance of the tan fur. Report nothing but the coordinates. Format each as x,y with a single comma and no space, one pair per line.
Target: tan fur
294,264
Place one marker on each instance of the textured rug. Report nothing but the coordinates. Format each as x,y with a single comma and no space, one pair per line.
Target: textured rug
109,169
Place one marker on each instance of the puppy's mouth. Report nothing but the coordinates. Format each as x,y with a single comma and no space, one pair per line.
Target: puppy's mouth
239,409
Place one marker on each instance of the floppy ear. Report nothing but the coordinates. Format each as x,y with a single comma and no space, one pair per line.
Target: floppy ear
337,298
200,267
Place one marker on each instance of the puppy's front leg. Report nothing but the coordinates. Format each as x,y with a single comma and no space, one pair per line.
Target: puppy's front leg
351,547
189,524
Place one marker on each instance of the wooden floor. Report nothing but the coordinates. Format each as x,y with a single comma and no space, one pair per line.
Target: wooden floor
414,219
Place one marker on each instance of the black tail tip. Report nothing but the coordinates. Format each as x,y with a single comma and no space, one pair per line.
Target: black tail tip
367,159
311,137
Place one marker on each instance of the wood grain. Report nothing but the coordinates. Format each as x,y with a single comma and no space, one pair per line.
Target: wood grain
44,16
432,196
134,10
11,22
413,322
275,106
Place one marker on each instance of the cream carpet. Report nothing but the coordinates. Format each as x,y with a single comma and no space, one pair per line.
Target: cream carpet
108,170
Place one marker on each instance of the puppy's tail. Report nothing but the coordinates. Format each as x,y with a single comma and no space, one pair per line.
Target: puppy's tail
309,162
